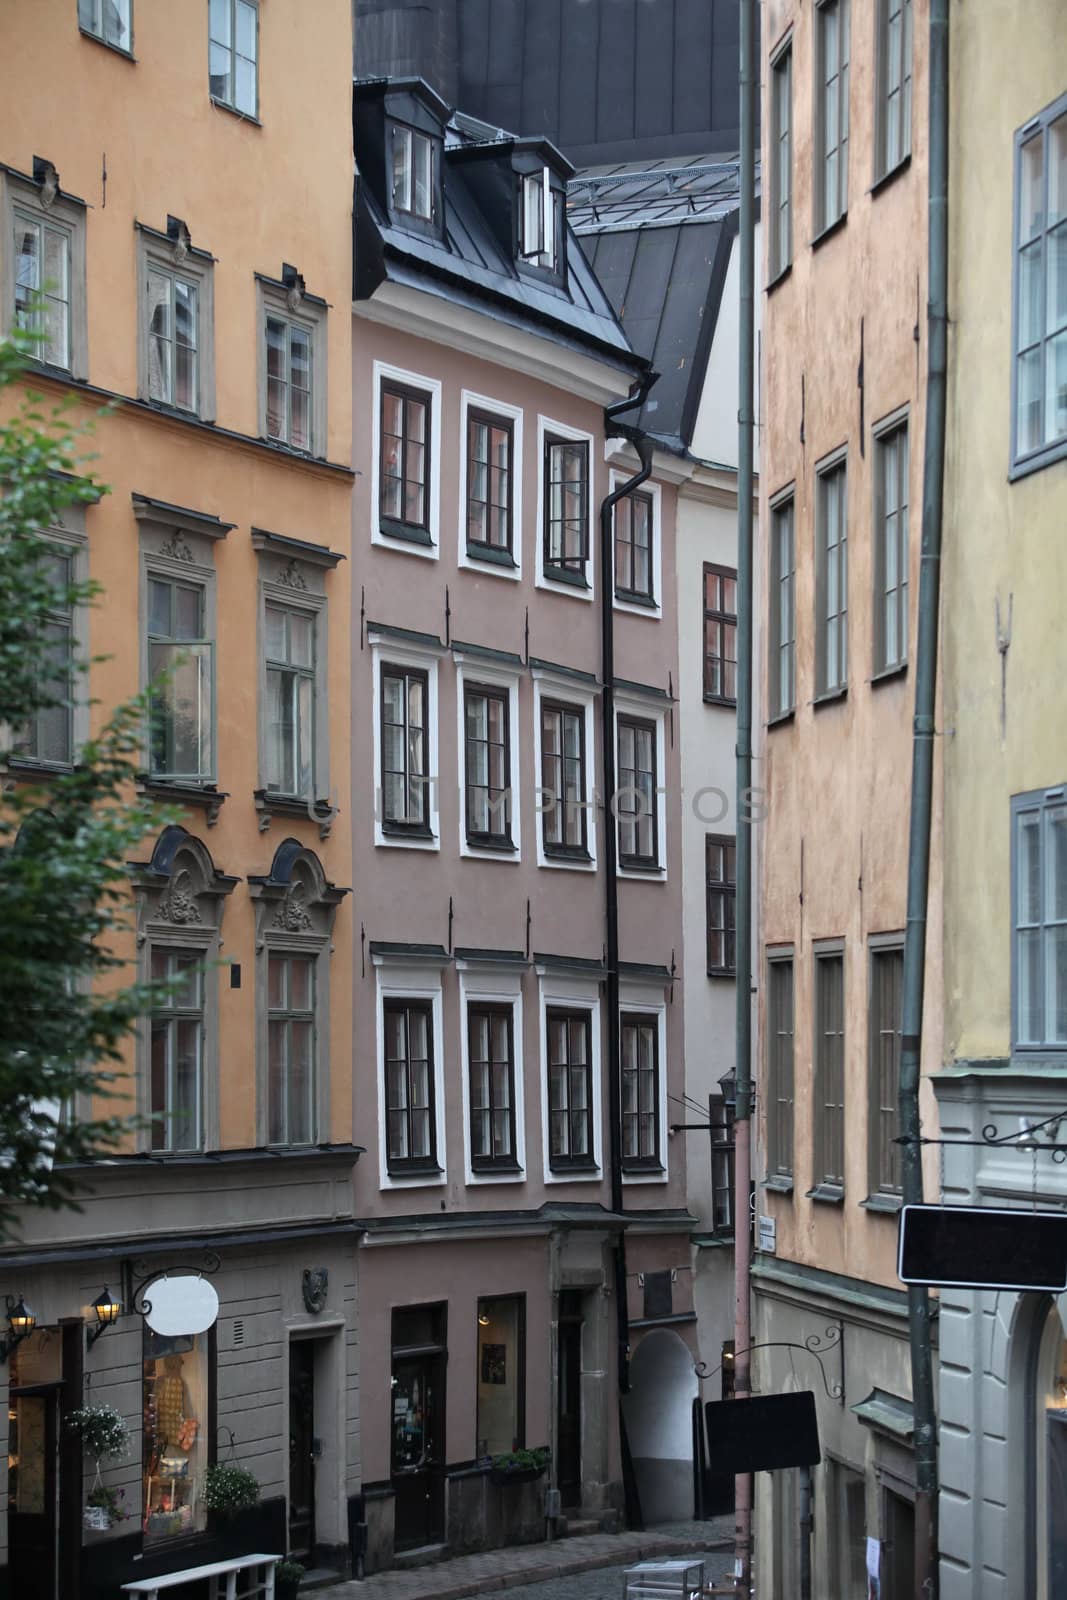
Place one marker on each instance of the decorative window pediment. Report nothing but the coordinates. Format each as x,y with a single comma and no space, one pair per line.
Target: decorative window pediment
295,900
180,887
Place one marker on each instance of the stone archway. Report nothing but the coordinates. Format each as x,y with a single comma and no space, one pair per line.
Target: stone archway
659,1425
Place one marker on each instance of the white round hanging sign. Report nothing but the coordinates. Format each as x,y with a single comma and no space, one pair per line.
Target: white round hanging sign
181,1305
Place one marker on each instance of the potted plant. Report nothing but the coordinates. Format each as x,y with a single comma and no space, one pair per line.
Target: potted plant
519,1466
229,1489
104,1507
287,1576
102,1430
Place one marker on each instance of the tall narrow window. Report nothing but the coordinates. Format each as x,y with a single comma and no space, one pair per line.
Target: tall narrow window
289,356
501,1418
566,509
563,797
782,161
542,220
49,736
173,340
491,1063
405,750
411,1139
489,483
721,880
1040,289
180,665
234,51
43,286
720,635
177,1051
639,1046
108,20
891,550
488,765
290,641
404,467
633,548
635,803
570,1089
831,114
830,1070
894,84
291,1049
1039,892
885,1017
721,1119
782,620
413,183
780,1067
831,581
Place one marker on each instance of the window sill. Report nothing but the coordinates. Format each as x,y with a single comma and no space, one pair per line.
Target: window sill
894,172
491,557
491,847
888,1205
180,414
204,795
404,532
721,700
722,972
416,1171
889,674
646,1169
831,697
627,597
827,1194
495,1169
282,445
829,231
778,1183
29,767
642,869
555,857
572,1168
242,116
1047,456
782,718
269,805
780,277
573,580
397,832
116,49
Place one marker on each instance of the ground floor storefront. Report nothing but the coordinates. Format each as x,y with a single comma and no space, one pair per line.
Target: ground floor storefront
864,1487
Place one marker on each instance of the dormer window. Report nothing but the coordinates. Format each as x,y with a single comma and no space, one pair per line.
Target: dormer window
413,173
541,220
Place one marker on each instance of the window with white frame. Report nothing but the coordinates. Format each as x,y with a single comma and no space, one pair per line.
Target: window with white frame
831,579
891,548
721,892
107,20
564,780
781,172
1039,937
413,157
491,1085
636,804
894,84
634,532
781,630
720,634
1039,432
404,460
233,27
831,112
410,1089
43,268
541,224
571,1106
405,748
487,765
490,484
566,509
640,1091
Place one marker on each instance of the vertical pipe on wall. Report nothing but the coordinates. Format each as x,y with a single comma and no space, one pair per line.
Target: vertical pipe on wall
743,938
922,779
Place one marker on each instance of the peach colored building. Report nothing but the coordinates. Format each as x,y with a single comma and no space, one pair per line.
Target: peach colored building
179,180
844,223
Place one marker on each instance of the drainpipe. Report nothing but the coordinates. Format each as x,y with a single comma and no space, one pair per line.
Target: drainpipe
922,778
746,423
643,445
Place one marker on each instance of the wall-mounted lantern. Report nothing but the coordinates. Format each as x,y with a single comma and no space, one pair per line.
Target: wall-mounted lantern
108,1311
21,1321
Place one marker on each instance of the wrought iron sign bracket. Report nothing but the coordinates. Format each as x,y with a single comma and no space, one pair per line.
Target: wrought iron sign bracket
816,1345
139,1276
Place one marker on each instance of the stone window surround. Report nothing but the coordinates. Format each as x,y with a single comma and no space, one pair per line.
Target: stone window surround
646,1000
549,428
556,987
493,983
431,387
287,298
1020,465
471,672
654,492
174,252
292,573
389,651
401,978
898,422
563,689
180,899
295,906
41,196
486,565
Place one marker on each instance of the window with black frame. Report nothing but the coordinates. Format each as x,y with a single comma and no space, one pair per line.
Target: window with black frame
721,874
635,803
633,521
491,1065
721,1118
563,799
490,472
405,750
566,510
570,1089
639,1069
411,1136
488,766
404,462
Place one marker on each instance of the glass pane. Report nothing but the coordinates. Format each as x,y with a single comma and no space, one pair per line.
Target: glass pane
423,167
402,169
186,1115
1056,865
1056,388
274,632
1029,980
1029,869
27,266
1031,186
245,95
219,78
1030,435
276,985
220,17
300,983
275,348
1031,295
1057,985
277,1117
245,16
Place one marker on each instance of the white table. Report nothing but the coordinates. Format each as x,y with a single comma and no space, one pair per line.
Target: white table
229,1571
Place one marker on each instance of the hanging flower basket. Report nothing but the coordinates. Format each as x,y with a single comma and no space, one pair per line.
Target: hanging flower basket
519,1466
97,1519
102,1430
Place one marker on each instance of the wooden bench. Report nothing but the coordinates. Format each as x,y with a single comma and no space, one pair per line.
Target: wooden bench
223,1576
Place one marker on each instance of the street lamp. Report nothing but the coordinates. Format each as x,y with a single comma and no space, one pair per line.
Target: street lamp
108,1311
21,1321
728,1088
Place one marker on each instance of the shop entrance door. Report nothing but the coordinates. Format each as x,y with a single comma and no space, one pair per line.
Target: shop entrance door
302,1450
569,1399
32,1430
418,1426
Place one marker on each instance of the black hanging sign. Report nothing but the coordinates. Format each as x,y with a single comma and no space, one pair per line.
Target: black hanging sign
763,1434
980,1247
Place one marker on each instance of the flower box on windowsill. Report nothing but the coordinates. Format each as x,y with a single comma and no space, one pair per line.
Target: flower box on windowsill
519,1466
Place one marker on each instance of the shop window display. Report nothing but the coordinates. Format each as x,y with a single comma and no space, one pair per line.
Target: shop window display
501,1375
175,1451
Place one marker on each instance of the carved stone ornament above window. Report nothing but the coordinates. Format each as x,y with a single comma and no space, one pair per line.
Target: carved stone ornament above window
292,577
176,549
295,900
180,887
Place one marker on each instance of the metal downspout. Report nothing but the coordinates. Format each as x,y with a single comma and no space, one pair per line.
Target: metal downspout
746,423
922,776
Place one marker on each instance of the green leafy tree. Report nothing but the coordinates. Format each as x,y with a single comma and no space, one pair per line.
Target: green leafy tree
65,1003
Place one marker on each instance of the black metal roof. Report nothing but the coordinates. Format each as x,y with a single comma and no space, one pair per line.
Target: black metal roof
658,235
606,80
